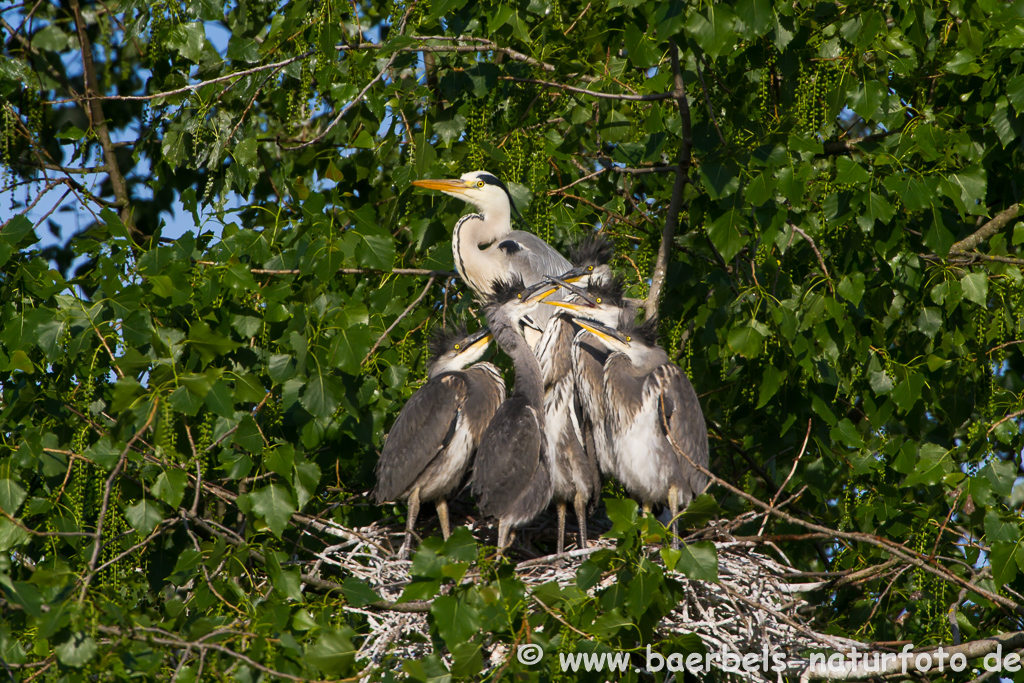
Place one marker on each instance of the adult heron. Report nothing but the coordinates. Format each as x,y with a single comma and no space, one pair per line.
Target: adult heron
430,448
485,247
511,476
655,425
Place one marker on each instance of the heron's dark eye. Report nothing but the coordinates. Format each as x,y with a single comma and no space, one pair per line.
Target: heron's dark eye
479,183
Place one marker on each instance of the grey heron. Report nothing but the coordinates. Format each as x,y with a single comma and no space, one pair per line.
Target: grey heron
430,447
653,418
485,247
511,476
601,302
573,467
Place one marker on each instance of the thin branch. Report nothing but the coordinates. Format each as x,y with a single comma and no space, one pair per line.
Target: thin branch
104,507
407,311
668,233
345,109
834,147
1008,417
653,97
792,471
821,261
998,222
1003,346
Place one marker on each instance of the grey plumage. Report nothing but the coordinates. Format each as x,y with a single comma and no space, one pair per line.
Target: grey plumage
574,473
485,247
511,477
652,413
431,445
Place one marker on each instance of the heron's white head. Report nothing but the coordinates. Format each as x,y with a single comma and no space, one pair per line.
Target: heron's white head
454,349
480,188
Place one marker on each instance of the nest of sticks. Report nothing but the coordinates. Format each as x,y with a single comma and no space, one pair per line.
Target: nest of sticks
754,608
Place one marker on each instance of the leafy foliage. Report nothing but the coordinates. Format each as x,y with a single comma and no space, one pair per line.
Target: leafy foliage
843,287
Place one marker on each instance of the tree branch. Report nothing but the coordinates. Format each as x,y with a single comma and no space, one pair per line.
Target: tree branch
104,507
668,233
998,222
407,311
99,123
593,93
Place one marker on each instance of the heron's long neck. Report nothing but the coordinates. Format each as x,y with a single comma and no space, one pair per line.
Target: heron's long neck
473,231
528,378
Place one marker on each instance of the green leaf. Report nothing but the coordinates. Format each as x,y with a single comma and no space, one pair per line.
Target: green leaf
460,545
645,583
77,651
12,495
320,397
698,561
358,593
849,171
144,516
207,343
170,486
745,341
1015,92
713,32
756,15
725,233
1003,562
851,288
908,391
933,463
976,288
333,652
846,432
275,505
456,620
104,453
623,513
188,39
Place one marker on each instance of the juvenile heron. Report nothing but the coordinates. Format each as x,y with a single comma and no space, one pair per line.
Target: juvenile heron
574,472
653,418
601,302
511,477
485,247
430,448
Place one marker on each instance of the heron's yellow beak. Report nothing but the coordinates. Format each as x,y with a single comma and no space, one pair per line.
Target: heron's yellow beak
603,331
457,186
541,294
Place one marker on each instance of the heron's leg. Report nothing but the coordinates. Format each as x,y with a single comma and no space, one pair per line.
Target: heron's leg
673,506
442,517
410,523
560,508
502,536
581,517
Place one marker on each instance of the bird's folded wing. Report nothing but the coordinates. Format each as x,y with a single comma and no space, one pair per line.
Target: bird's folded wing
507,458
423,428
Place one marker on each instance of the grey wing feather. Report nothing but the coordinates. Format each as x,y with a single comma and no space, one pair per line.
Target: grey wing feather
508,457
685,420
536,258
422,430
